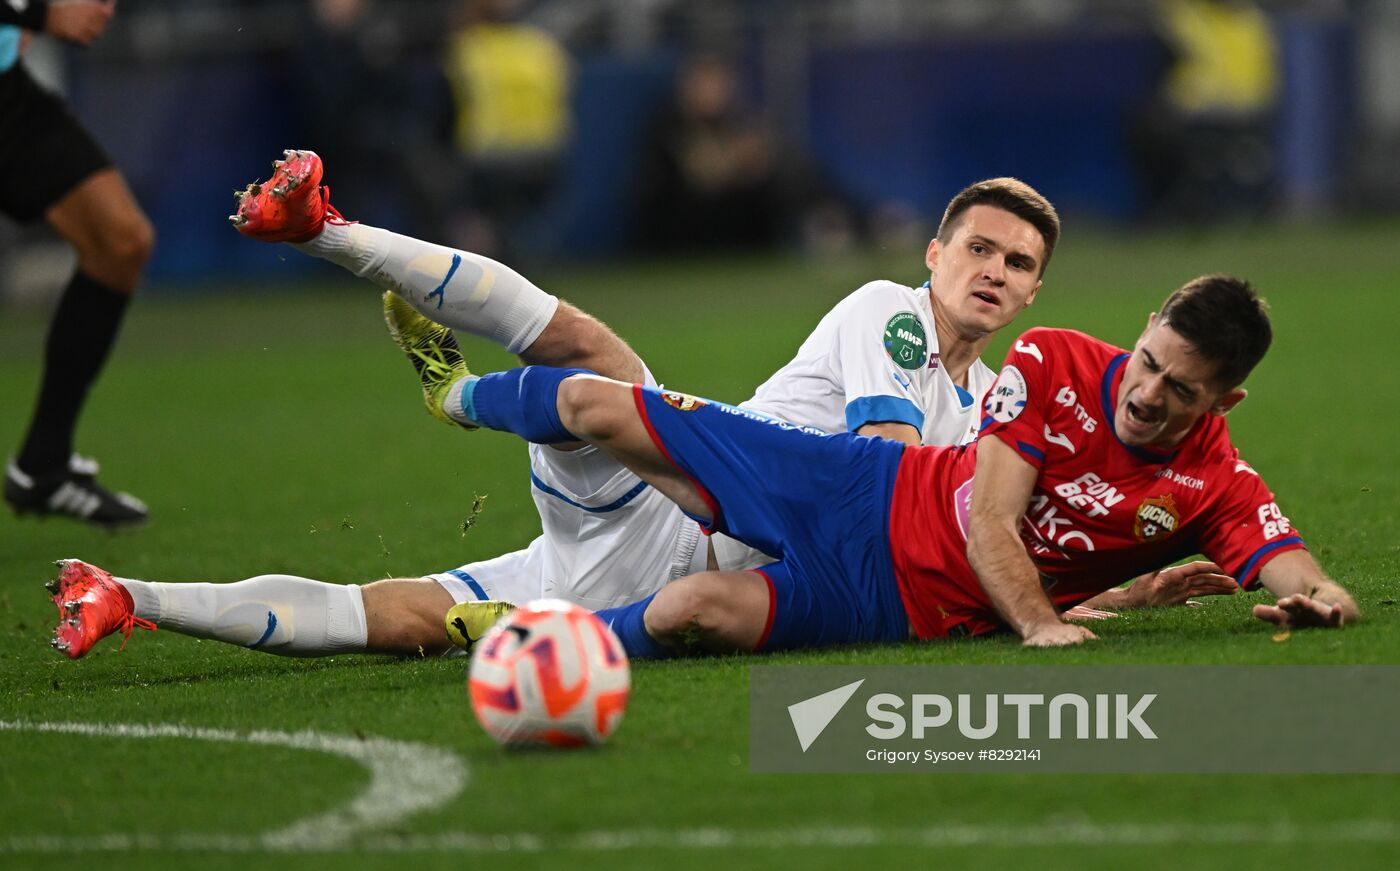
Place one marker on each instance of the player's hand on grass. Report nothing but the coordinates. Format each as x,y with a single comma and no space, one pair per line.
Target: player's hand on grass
1299,611
1177,584
1057,634
79,21
1080,613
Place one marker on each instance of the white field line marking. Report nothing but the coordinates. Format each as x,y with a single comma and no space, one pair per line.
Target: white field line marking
946,835
404,778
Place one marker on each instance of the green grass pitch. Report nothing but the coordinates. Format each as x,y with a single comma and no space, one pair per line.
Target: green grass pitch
275,429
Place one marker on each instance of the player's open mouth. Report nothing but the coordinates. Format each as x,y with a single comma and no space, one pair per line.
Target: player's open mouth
988,298
1137,417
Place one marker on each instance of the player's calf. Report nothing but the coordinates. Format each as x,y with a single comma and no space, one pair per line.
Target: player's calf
406,617
575,339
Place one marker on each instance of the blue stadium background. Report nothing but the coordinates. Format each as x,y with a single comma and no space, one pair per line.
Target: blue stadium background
192,99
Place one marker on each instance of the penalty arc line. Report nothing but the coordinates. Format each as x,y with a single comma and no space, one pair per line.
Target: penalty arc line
405,777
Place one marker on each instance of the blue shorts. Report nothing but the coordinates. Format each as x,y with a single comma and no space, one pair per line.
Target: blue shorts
820,502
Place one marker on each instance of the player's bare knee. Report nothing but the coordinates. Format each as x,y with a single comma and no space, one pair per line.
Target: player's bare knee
589,407
118,254
131,242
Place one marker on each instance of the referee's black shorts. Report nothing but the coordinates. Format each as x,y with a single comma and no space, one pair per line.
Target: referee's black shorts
45,151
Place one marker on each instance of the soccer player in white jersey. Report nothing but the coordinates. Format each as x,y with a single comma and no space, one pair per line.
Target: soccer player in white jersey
889,360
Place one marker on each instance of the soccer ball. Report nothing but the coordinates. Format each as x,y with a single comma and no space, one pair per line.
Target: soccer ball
549,674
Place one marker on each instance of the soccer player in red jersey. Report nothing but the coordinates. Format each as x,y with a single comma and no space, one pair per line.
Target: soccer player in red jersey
1094,465
1092,461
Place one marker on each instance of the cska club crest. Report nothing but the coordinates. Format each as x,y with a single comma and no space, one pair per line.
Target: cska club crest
681,401
1156,519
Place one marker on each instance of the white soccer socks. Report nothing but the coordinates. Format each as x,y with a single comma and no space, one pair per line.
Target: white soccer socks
455,404
280,614
458,289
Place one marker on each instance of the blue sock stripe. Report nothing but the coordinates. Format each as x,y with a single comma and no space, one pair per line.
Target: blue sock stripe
469,390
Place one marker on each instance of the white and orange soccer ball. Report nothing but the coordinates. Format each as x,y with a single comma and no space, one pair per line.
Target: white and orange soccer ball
549,674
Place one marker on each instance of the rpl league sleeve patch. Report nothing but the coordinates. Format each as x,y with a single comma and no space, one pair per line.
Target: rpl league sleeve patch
905,341
1007,396
681,401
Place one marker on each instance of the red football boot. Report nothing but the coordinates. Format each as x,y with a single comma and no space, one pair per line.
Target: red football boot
292,206
91,606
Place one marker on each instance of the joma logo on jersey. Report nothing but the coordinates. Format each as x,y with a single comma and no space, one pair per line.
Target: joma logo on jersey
1157,518
681,401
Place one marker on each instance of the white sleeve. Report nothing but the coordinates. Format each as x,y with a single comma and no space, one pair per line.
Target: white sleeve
882,348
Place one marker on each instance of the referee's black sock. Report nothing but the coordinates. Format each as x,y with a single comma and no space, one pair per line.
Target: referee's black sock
84,328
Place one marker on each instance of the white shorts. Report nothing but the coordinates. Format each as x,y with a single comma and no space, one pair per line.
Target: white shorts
611,547
609,539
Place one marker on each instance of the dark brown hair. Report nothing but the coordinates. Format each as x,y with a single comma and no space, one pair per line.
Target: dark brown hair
1010,195
1224,320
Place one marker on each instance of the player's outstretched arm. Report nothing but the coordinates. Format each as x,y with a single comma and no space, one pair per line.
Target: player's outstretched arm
1174,585
1004,483
898,432
1306,596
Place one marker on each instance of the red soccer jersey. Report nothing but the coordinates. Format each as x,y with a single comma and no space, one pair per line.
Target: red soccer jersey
1102,512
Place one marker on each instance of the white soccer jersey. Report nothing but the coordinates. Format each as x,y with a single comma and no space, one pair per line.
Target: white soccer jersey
874,359
610,539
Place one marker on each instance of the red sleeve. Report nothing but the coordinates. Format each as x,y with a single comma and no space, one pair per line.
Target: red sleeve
1246,529
1014,408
